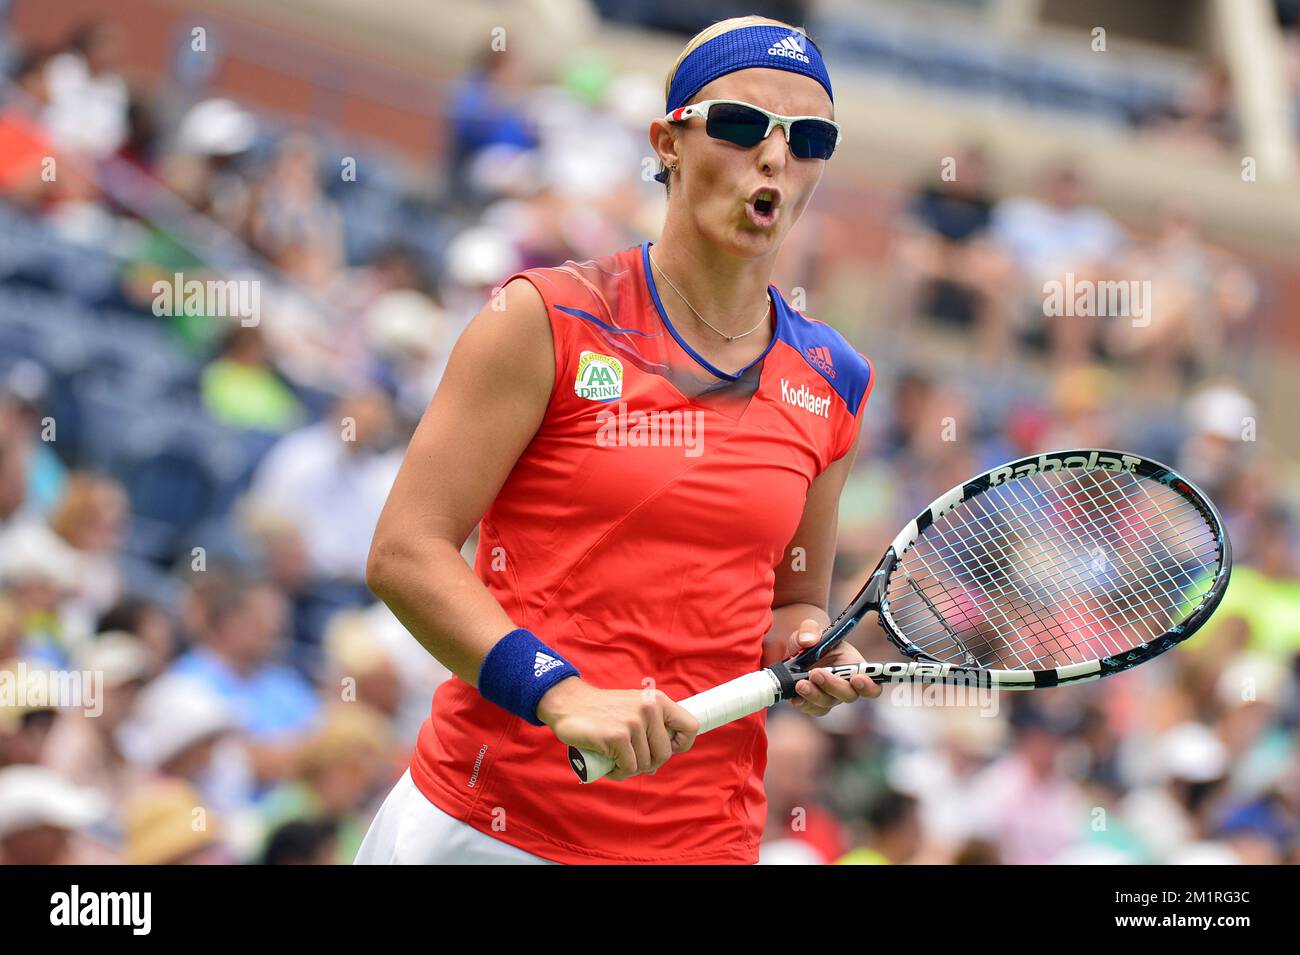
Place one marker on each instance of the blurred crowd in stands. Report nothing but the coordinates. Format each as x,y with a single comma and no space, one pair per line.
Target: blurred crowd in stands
186,500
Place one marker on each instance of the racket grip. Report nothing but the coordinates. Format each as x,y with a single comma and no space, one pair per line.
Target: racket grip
713,708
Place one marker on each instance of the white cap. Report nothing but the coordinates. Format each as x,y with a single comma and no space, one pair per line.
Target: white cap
119,655
33,796
1251,677
34,552
216,127
1203,853
404,321
481,256
1220,411
1191,752
174,713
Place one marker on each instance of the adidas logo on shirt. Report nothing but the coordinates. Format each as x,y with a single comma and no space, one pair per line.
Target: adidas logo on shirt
791,47
820,356
803,397
544,663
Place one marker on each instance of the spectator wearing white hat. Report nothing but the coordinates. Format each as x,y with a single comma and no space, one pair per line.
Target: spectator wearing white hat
40,815
181,730
216,127
40,573
205,168
84,748
88,97
1185,764
1220,418
66,572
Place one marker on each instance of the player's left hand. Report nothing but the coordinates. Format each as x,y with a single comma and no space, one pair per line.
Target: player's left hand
821,692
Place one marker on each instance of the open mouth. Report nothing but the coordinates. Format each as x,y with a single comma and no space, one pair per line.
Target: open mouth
763,205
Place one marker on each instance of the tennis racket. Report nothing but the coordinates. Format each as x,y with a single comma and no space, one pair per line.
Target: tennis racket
1055,569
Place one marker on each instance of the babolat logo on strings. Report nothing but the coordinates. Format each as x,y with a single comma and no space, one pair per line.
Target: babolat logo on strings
600,377
1043,462
792,47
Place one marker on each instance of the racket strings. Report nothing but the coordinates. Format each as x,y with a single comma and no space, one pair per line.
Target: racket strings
1067,586
1088,617
1169,563
1044,556
1191,518
1002,591
1058,567
1028,567
1026,572
1143,569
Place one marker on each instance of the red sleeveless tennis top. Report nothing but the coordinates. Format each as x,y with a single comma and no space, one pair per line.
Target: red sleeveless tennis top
638,534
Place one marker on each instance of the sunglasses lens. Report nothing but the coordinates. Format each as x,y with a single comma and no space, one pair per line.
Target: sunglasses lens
736,124
812,139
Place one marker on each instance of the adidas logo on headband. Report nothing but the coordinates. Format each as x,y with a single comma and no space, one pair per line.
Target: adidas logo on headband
763,46
792,47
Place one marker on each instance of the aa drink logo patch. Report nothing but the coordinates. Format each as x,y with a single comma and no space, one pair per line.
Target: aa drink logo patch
600,377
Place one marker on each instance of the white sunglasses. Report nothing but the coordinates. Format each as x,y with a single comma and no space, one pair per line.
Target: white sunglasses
747,125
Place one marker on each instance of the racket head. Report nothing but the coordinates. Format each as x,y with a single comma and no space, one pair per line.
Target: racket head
1059,568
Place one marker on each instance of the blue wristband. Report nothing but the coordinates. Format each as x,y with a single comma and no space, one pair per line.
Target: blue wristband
518,670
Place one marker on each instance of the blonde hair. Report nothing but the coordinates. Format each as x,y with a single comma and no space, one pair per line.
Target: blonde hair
83,495
716,30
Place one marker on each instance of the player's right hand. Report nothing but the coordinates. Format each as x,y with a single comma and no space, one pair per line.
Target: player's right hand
638,729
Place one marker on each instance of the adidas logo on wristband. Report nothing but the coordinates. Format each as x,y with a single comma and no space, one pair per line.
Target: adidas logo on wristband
544,663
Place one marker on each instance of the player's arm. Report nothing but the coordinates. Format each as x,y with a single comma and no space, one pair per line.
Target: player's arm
489,405
803,583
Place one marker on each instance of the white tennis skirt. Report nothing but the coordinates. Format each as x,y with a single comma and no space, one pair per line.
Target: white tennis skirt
410,830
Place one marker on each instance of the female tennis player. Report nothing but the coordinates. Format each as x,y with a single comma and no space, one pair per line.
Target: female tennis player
652,445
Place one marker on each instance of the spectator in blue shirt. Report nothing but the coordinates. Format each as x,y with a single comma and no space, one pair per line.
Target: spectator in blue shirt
486,110
276,707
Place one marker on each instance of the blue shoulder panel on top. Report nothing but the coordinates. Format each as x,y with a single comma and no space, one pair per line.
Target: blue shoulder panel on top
825,349
587,316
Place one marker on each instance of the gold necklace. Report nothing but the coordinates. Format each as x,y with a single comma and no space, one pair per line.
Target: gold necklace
731,338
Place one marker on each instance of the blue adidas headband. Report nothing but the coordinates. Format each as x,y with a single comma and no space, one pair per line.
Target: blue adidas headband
763,46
